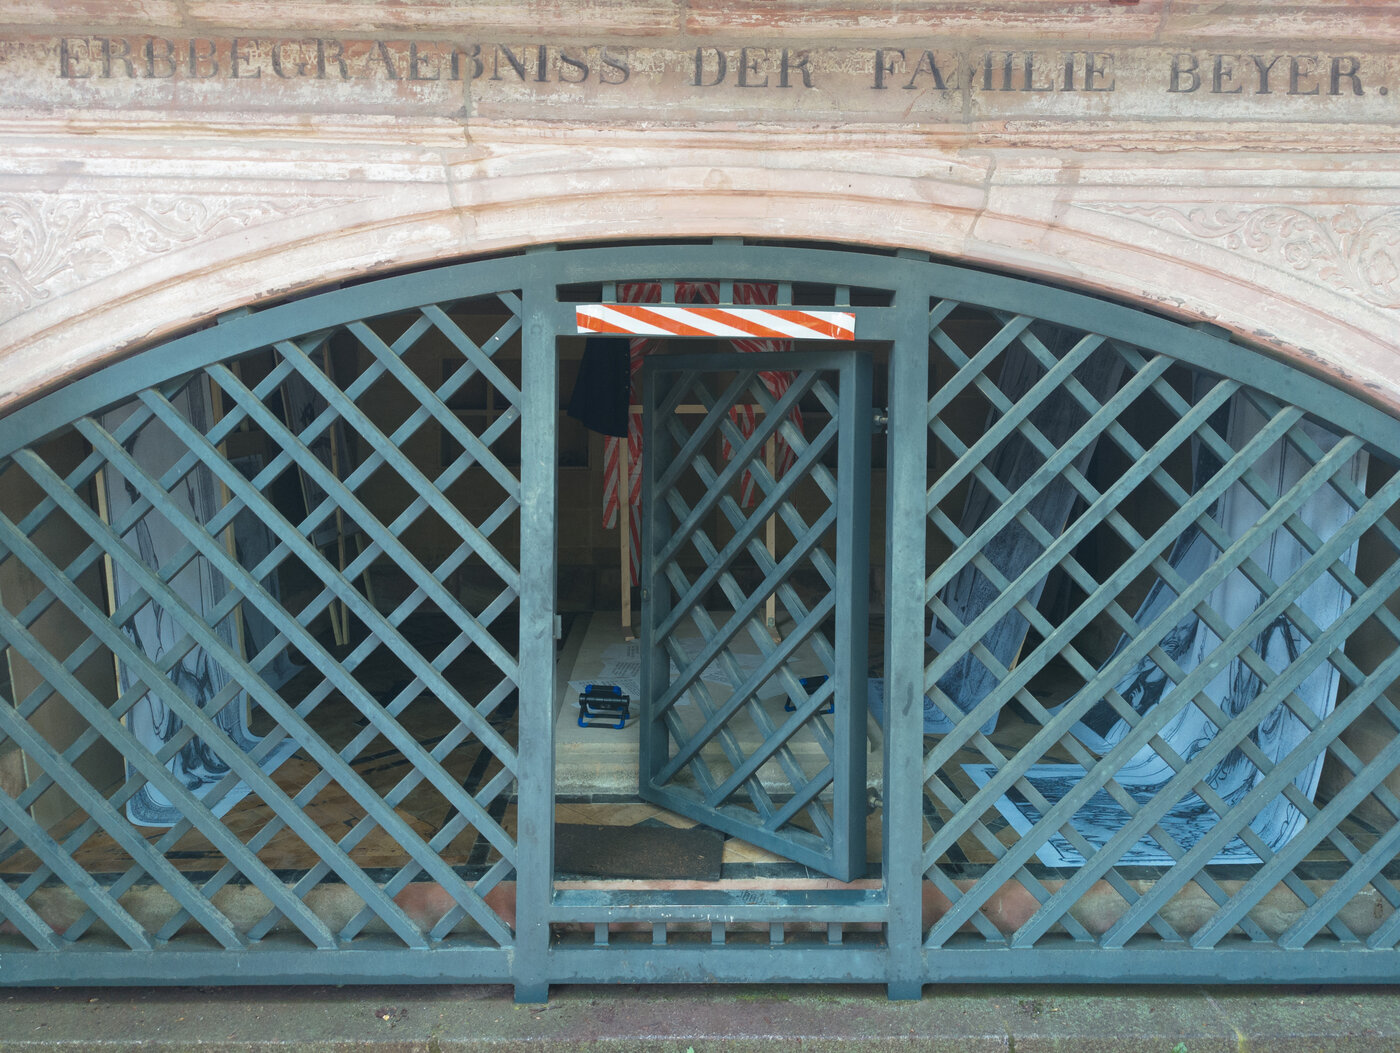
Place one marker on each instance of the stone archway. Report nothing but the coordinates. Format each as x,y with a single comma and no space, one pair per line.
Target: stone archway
106,266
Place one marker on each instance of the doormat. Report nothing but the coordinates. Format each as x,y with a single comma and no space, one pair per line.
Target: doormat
657,852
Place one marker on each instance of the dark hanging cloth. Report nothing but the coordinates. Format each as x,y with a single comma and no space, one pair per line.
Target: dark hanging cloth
604,386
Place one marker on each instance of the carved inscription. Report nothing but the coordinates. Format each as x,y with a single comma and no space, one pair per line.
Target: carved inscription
1006,72
326,59
752,67
1267,74
944,81
995,71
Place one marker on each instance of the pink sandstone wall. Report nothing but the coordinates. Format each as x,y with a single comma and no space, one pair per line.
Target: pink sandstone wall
161,162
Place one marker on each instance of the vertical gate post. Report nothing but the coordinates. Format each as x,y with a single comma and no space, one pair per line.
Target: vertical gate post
655,589
535,778
853,579
905,490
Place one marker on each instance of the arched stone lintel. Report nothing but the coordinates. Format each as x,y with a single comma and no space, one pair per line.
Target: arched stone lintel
1141,252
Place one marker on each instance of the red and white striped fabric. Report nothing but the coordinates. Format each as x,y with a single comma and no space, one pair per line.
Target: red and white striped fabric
746,293
737,323
641,346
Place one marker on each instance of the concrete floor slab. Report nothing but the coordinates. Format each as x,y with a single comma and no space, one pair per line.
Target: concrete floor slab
442,1019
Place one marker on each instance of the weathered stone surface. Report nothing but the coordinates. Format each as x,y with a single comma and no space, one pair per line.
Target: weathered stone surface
1237,166
1355,22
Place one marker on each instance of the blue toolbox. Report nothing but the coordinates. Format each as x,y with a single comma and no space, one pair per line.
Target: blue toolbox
810,685
603,706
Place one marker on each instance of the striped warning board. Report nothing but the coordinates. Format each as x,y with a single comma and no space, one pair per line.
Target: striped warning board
761,322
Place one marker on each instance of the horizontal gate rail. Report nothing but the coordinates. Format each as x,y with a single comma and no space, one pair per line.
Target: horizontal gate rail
790,905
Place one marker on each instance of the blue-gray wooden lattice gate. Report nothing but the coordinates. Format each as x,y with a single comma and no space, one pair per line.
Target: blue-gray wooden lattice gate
820,821
1057,573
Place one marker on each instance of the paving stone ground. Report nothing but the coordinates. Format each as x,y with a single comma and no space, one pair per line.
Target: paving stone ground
443,1019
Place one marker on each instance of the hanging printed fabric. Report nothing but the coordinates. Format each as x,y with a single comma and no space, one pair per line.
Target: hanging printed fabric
641,346
746,293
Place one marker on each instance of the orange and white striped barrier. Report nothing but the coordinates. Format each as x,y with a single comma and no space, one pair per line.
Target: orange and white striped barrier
750,322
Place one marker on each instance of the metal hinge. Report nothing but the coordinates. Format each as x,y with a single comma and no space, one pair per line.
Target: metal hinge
880,420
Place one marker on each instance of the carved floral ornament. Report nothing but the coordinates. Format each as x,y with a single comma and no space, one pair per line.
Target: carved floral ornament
1353,249
51,244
